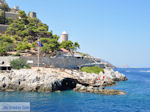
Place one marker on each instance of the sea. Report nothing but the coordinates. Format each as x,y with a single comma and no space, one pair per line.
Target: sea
137,98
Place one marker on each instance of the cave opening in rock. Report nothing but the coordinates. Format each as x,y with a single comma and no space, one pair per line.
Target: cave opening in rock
68,84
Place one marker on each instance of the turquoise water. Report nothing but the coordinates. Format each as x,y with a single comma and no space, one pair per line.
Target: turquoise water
136,100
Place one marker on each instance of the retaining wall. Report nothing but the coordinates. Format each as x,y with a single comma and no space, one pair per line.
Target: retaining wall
11,15
61,62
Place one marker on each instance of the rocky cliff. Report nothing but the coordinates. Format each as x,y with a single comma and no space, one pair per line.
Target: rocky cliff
54,79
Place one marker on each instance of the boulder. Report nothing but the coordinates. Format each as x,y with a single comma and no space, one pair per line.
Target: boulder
98,90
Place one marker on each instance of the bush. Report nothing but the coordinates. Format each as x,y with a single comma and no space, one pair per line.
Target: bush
19,63
83,54
17,38
6,39
2,50
33,44
22,46
94,69
9,46
6,44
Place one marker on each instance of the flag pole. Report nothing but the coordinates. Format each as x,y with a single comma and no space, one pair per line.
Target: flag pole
38,53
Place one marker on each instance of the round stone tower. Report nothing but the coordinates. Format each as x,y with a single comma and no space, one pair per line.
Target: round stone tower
32,14
16,8
64,36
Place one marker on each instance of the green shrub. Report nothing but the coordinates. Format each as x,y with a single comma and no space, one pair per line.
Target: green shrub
19,63
6,39
83,54
23,46
2,50
94,69
16,37
6,45
33,44
9,46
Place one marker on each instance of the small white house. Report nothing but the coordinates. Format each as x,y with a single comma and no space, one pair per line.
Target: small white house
5,62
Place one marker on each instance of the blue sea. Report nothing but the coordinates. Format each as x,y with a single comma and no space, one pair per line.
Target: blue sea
137,98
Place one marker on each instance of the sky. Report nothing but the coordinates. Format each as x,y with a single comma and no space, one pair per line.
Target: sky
117,31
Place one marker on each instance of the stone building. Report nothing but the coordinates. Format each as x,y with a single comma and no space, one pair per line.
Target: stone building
5,62
12,15
15,9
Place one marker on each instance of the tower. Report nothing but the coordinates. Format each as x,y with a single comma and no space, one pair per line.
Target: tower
64,36
16,8
32,14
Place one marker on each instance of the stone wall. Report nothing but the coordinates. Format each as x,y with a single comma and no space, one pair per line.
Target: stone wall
11,15
61,62
3,28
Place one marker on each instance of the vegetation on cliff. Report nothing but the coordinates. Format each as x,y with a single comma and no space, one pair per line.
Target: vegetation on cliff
24,32
6,45
94,69
3,8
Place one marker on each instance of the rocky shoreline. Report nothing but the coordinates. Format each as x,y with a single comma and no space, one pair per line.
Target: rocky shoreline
98,90
55,79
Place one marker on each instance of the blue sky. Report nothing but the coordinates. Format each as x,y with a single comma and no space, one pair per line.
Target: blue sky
115,30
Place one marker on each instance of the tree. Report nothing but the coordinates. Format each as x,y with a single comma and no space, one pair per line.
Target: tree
6,39
76,45
6,44
26,30
22,17
49,45
2,50
29,28
54,45
2,17
69,45
15,28
45,40
8,21
55,37
22,46
4,6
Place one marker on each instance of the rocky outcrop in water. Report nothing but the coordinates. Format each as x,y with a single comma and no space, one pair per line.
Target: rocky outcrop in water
98,90
54,79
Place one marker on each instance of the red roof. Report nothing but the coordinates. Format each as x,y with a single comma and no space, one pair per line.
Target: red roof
65,50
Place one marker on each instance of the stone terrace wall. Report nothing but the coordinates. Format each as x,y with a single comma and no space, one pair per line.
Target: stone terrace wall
11,15
63,62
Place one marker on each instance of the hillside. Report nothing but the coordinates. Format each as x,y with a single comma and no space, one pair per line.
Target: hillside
26,32
23,33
